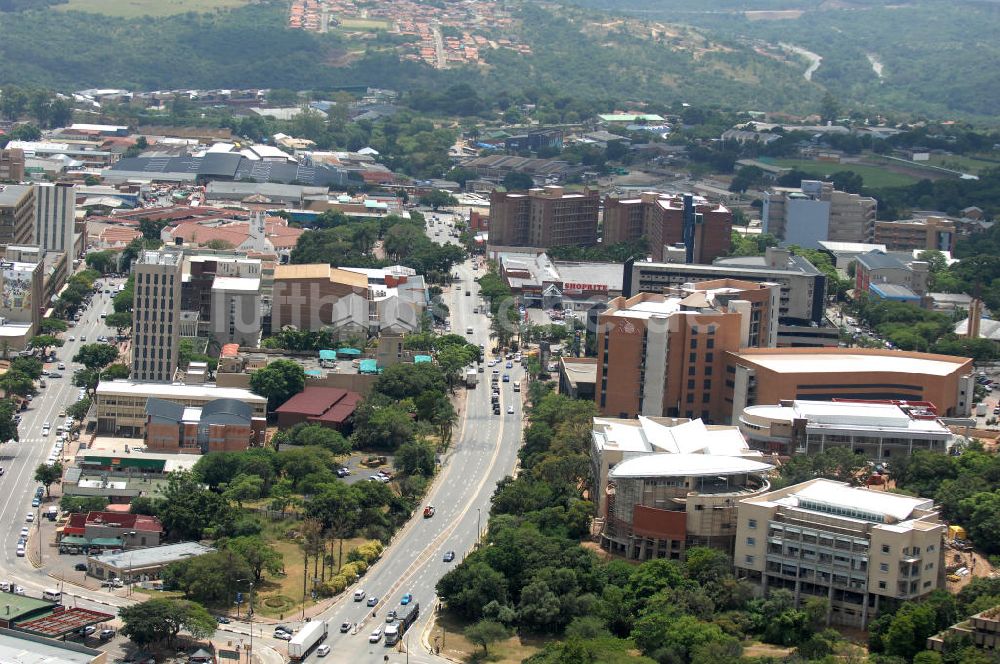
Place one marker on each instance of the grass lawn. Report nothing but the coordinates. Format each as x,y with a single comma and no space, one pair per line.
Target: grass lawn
962,163
874,176
363,24
457,647
281,596
134,8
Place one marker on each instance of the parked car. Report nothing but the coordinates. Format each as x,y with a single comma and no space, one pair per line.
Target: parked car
222,620
107,634
80,567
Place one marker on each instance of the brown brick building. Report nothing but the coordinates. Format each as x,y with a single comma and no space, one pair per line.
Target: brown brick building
933,233
305,295
11,165
222,425
664,355
660,219
546,217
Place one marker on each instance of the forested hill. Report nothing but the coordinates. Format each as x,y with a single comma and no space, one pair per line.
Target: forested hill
700,52
575,53
933,57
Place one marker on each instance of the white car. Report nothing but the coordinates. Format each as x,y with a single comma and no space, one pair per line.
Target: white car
20,552
376,635
24,531
30,517
72,338
323,650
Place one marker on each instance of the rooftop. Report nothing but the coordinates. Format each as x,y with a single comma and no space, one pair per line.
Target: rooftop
20,648
850,247
580,369
867,505
153,556
177,391
856,415
160,258
10,194
246,284
854,360
686,465
661,434
878,260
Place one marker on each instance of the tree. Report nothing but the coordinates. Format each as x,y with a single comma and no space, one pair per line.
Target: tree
260,556
96,356
119,319
416,458
243,487
486,633
103,261
78,410
212,578
116,371
829,108
82,503
53,325
219,244
278,381
45,341
8,428
15,382
48,474
162,619
437,198
517,181
187,509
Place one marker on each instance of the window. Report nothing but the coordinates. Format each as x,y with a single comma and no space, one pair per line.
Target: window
881,585
709,357
693,357
691,384
710,343
751,541
748,560
691,369
694,344
708,384
885,548
883,567
751,523
708,371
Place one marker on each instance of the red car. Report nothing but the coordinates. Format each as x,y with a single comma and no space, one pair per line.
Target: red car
428,511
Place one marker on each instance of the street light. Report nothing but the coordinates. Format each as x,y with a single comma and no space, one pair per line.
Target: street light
249,619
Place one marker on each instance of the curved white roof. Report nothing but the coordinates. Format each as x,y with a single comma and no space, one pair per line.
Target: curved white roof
685,465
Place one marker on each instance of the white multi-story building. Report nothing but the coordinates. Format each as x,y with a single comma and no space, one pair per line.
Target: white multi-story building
156,312
881,431
853,547
55,213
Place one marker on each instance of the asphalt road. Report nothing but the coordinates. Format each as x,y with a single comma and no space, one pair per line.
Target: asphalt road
484,451
19,460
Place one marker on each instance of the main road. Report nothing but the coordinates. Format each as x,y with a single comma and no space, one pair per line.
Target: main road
19,460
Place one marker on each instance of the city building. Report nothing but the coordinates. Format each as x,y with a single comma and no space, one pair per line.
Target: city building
307,296
17,213
660,219
664,355
771,375
137,565
886,277
55,215
879,430
853,547
130,530
20,647
121,404
329,406
926,233
545,217
543,282
11,165
844,253
662,485
156,311
21,295
578,377
815,211
981,630
226,293
803,287
348,301
220,425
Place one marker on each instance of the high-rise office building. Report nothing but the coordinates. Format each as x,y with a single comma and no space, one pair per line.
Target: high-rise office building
17,213
814,212
11,165
156,312
546,217
55,213
660,219
663,355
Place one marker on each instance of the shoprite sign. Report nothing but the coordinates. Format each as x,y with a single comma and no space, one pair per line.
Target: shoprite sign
570,287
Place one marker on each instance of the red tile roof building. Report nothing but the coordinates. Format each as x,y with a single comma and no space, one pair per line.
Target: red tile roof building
329,406
93,525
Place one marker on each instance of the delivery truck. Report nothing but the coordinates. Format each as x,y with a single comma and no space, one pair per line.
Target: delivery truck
311,635
405,618
471,378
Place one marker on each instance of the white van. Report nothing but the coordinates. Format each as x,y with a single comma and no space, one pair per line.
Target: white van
468,330
517,386
52,594
359,595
